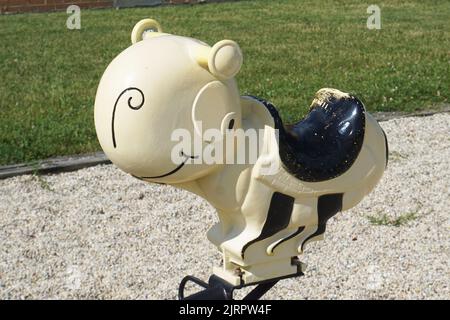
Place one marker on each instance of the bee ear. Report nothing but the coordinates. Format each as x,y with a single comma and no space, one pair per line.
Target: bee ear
144,29
223,60
211,109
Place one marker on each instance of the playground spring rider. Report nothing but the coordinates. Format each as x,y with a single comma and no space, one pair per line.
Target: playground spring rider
325,163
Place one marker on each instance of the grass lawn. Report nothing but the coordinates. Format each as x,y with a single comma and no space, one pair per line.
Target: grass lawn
49,74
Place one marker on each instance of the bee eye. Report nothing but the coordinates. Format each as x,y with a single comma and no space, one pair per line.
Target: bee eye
231,124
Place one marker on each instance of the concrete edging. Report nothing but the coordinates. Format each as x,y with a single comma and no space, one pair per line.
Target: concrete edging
55,165
76,162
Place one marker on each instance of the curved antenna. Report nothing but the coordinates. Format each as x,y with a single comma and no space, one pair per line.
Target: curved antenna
144,28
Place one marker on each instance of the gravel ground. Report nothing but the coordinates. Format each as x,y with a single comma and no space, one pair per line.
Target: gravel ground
99,233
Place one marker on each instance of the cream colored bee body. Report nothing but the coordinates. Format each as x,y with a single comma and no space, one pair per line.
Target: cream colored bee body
323,164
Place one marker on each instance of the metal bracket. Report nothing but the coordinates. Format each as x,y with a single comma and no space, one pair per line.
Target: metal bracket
219,289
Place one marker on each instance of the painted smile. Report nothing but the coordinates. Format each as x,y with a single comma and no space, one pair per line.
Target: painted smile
186,158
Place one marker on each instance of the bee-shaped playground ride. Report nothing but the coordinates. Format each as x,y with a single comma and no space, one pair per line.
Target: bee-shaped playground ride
269,208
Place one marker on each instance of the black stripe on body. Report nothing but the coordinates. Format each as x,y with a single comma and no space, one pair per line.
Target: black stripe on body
296,233
278,217
327,206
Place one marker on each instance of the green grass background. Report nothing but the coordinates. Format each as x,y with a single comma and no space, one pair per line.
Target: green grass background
49,74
